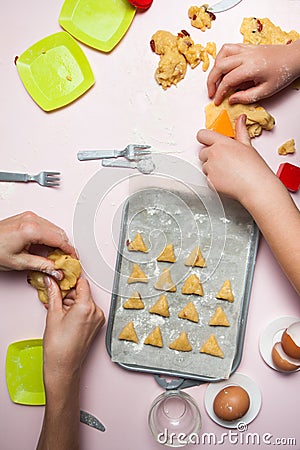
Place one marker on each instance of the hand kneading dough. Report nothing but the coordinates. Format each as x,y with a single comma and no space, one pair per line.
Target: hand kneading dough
71,268
258,118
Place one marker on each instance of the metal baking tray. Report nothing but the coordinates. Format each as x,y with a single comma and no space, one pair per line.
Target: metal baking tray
228,238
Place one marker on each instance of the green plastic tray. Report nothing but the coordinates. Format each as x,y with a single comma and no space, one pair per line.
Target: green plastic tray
55,71
99,24
24,372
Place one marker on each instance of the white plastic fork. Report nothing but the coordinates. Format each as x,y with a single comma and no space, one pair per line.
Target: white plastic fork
132,152
49,179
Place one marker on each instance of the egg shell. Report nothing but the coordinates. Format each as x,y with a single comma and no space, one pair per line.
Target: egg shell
283,361
231,403
290,340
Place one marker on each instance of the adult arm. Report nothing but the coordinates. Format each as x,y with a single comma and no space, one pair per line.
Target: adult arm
253,72
19,232
250,181
70,329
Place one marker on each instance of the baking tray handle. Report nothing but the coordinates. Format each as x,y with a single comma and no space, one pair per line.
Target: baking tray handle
176,383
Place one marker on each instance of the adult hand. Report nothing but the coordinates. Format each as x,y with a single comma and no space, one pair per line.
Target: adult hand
255,71
70,328
232,166
19,232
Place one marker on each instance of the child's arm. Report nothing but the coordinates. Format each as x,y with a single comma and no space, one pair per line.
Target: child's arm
234,168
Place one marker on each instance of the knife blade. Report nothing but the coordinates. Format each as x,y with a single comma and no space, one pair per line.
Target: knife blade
91,421
223,5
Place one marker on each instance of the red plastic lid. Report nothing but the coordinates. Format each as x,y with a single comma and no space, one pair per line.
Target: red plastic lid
141,4
290,176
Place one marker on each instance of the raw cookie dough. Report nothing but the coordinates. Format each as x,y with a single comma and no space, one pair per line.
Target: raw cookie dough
225,293
71,268
182,343
137,244
154,338
175,53
167,255
195,258
258,118
189,312
161,307
128,333
287,148
192,285
134,302
165,282
137,275
200,17
172,65
263,31
211,347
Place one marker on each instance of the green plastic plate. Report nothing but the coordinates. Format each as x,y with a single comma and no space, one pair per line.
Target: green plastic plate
24,372
55,71
101,24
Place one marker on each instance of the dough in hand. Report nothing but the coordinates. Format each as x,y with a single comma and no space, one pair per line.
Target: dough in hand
71,268
258,118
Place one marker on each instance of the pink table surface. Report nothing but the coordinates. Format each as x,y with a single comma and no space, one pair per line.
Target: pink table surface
126,105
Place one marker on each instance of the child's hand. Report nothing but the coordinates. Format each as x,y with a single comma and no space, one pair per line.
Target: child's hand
255,71
232,166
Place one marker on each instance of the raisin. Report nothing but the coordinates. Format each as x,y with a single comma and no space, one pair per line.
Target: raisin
259,25
152,45
185,33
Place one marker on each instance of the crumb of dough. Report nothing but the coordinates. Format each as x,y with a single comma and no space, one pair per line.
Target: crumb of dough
154,338
219,318
189,312
137,275
167,254
134,302
258,118
128,333
182,343
161,307
200,17
165,282
287,148
195,258
137,244
192,285
211,347
71,268
263,31
175,53
225,293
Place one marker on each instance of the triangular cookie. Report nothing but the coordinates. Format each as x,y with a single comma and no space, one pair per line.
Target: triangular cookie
128,333
137,244
211,347
161,307
192,285
181,344
154,338
167,254
195,258
219,318
165,282
225,293
137,275
134,302
189,312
